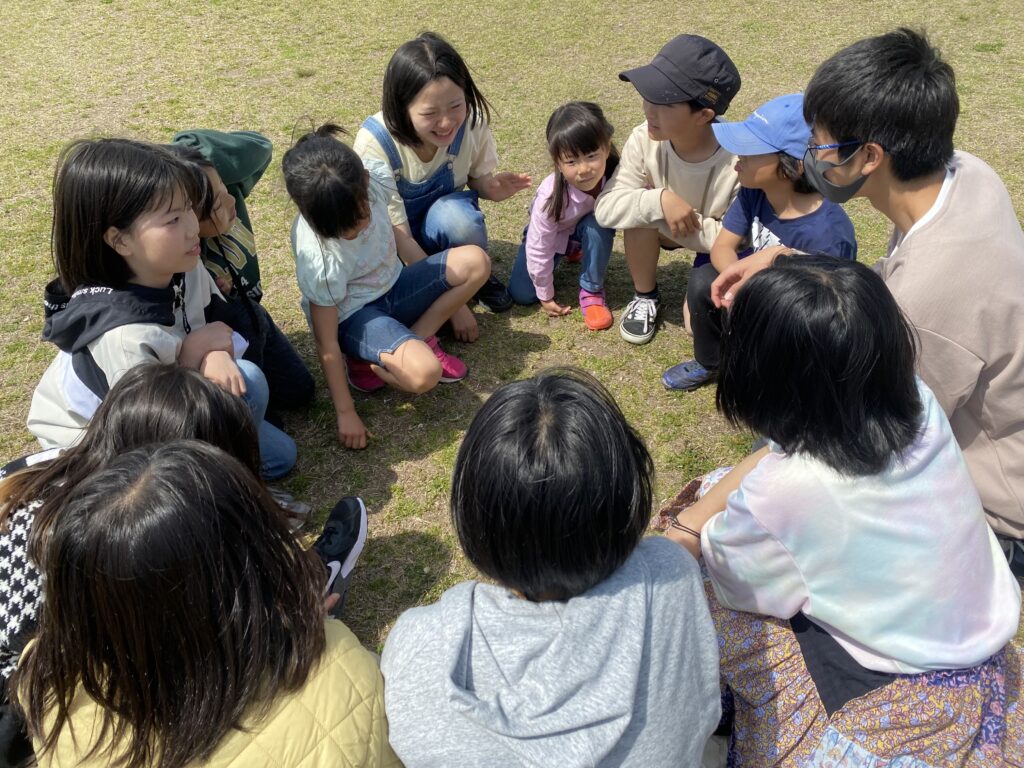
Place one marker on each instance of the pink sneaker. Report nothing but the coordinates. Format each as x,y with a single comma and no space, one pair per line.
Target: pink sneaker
452,369
362,377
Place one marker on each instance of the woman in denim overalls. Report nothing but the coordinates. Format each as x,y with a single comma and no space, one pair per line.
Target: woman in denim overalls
434,115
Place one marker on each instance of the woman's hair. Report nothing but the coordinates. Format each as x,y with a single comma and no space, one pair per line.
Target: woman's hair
196,161
177,599
792,170
103,183
151,403
552,486
414,66
817,356
577,128
327,181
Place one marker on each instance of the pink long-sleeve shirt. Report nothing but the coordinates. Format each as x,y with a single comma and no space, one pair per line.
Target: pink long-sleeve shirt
546,238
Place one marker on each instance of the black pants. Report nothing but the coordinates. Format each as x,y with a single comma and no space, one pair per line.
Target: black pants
291,384
705,317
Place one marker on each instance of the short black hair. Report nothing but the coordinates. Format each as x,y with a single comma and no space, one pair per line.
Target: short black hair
414,66
817,356
895,90
552,487
327,181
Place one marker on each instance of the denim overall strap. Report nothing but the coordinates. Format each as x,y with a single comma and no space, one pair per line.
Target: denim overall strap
383,137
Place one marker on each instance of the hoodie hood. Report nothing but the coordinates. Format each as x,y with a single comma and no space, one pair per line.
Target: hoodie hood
554,678
74,322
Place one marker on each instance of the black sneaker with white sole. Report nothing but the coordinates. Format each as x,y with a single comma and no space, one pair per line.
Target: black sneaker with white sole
639,319
494,296
339,546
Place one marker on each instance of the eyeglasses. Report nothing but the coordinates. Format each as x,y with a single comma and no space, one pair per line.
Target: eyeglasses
815,148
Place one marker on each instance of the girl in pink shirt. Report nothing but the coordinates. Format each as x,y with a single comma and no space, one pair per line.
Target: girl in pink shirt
562,223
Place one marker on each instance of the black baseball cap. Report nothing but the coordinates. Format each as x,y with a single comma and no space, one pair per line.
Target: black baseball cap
688,68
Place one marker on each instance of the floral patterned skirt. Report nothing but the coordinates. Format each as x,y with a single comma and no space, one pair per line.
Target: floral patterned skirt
965,717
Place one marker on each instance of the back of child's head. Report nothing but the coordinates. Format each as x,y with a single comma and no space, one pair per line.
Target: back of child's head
577,129
177,599
150,403
415,65
327,181
552,486
104,183
895,90
818,357
196,161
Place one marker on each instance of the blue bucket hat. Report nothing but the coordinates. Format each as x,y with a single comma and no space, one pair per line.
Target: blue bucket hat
777,126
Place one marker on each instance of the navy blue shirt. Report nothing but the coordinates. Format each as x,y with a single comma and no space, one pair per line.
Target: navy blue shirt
827,230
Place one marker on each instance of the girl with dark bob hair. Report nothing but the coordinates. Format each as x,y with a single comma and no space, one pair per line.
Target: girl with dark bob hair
853,578
183,621
593,642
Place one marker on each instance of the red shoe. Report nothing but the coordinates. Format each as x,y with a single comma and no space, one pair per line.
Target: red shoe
595,310
574,252
452,369
361,377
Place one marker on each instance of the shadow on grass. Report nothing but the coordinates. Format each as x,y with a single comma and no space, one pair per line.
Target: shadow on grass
395,573
404,428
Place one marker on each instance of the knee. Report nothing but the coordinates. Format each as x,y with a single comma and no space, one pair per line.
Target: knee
423,376
257,390
522,294
460,221
698,288
471,263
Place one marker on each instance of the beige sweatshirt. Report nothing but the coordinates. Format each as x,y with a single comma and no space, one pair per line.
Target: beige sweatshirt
632,197
958,274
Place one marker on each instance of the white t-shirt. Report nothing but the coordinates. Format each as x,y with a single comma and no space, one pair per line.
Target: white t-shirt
900,567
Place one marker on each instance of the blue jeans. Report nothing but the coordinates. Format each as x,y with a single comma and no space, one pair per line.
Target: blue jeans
452,220
383,324
277,450
596,244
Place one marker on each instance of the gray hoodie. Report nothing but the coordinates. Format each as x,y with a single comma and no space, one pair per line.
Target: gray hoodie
625,674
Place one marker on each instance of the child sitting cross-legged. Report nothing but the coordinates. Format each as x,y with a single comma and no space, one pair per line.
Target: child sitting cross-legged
360,298
590,645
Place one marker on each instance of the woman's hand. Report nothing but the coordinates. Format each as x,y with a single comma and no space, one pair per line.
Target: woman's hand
501,186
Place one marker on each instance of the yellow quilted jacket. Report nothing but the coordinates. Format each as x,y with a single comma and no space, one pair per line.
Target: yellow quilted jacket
336,719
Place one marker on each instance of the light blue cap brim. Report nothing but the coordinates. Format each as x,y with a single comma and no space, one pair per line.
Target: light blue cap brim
740,140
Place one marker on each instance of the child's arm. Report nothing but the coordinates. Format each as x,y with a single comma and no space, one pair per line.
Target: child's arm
540,251
724,251
628,200
500,186
212,337
351,432
696,516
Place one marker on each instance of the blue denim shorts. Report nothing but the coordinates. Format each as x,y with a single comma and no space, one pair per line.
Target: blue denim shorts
382,326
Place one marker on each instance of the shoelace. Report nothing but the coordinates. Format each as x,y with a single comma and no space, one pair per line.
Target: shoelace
643,307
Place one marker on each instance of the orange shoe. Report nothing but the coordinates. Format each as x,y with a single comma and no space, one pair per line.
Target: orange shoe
595,310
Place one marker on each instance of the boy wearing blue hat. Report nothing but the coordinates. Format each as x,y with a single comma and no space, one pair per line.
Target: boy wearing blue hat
776,207
674,182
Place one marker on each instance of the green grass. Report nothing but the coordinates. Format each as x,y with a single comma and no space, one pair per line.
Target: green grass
145,69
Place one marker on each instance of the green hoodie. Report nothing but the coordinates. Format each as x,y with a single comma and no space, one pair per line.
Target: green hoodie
240,158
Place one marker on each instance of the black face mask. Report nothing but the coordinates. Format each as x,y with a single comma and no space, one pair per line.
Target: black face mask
814,171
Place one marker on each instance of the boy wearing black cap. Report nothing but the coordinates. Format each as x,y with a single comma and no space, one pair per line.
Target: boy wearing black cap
674,182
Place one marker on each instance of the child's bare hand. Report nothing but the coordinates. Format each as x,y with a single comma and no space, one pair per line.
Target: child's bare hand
553,309
679,214
220,368
464,324
212,336
504,185
351,432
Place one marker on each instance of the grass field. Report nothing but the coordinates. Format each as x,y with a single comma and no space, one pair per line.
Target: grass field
146,69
